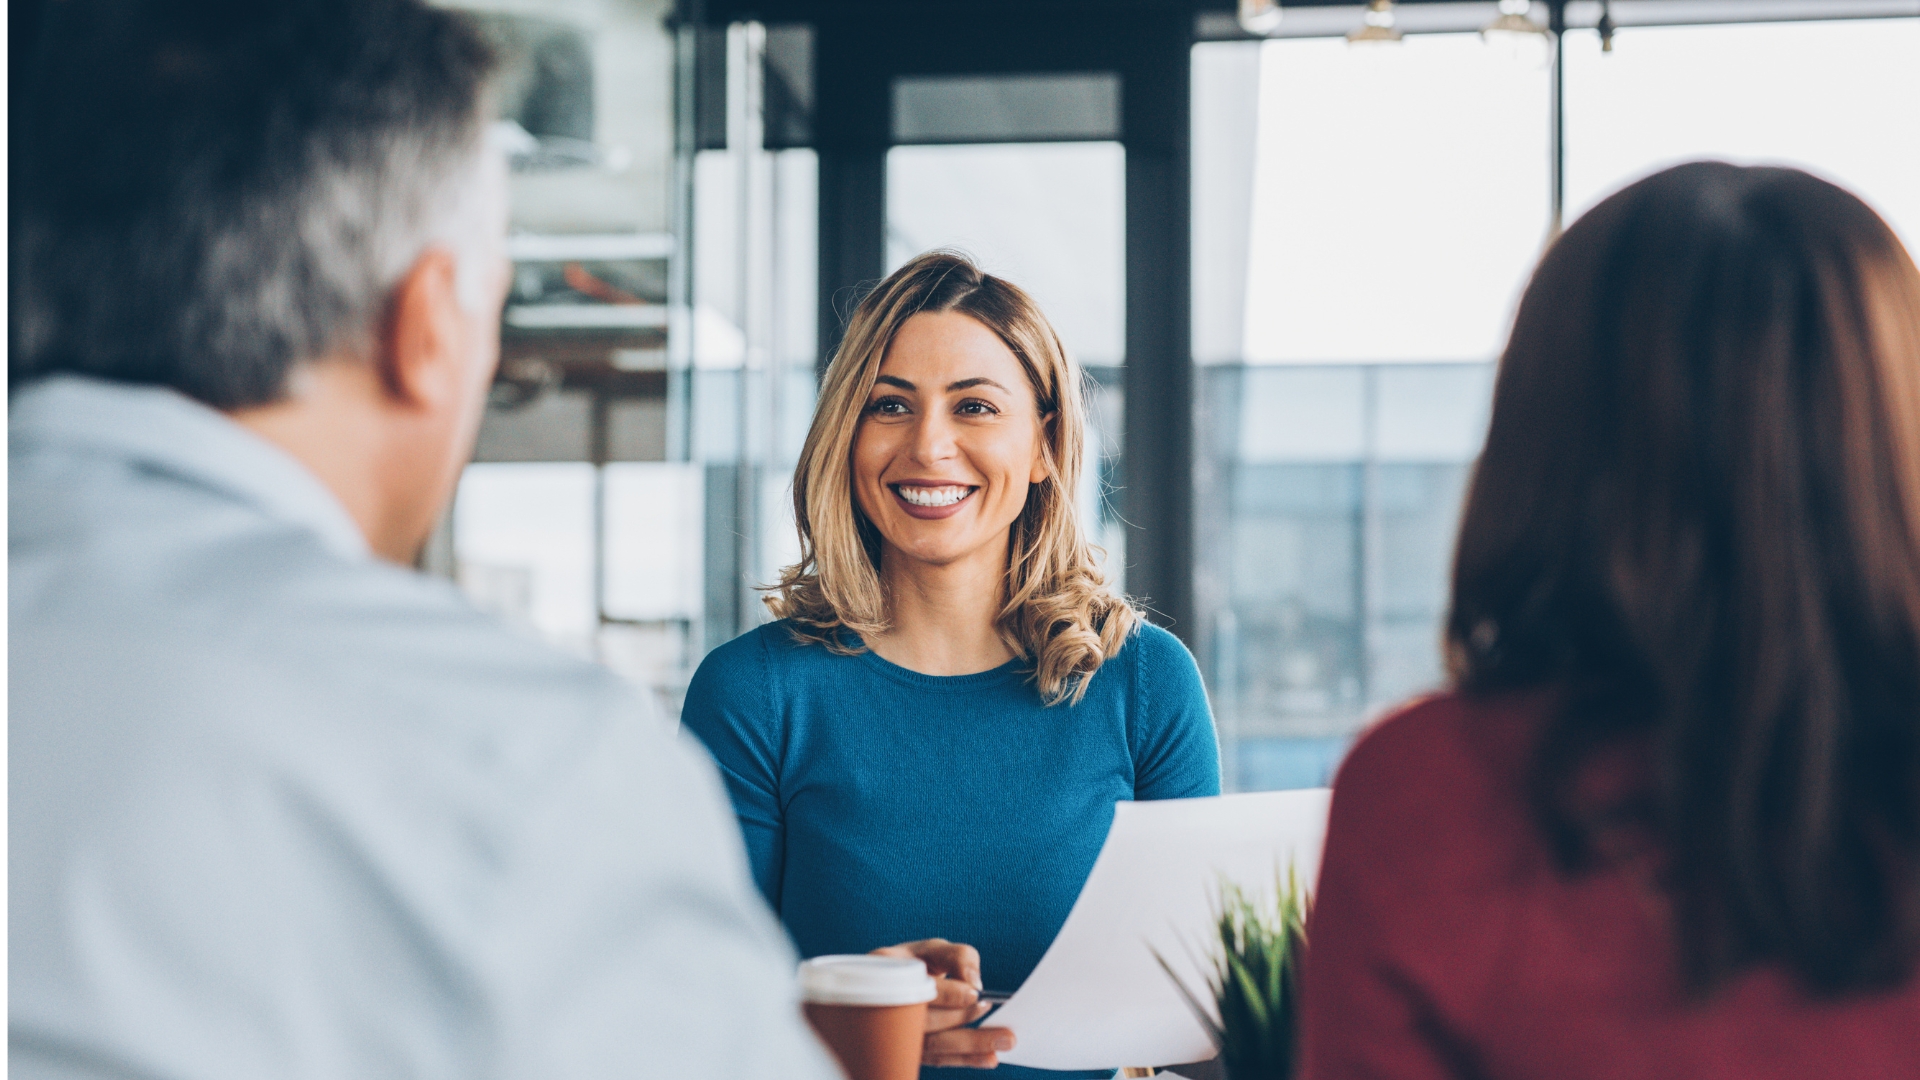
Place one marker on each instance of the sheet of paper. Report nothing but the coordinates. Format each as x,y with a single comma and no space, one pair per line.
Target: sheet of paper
1098,998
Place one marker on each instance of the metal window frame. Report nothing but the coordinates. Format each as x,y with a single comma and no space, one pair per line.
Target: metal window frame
1308,21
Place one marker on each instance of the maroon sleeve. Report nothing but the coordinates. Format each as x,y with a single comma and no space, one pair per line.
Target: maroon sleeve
1398,943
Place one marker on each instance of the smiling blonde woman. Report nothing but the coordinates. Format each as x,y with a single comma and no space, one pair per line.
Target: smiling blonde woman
932,736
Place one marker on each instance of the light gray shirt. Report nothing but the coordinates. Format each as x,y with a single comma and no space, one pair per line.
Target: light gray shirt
281,810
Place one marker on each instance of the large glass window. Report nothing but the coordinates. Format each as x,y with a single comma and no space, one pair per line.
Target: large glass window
1340,485
604,562
1050,217
1400,196
523,545
1364,218
1392,202
1841,99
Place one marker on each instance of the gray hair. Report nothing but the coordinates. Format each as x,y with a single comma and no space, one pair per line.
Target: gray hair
217,192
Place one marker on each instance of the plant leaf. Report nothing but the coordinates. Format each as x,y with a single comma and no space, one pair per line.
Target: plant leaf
1213,1029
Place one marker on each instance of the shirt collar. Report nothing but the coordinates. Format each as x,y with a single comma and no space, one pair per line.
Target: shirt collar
164,429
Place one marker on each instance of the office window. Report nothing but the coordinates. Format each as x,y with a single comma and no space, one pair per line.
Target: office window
1364,219
523,546
1340,487
653,535
1400,195
1841,99
1050,217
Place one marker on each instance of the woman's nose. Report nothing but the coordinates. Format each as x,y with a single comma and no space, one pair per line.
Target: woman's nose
933,439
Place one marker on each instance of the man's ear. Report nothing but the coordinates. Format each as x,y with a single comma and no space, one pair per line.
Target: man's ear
420,352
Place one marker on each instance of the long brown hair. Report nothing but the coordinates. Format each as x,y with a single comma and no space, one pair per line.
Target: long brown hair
1057,609
1697,518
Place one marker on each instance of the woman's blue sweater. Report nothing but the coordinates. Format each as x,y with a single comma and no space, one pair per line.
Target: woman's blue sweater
881,805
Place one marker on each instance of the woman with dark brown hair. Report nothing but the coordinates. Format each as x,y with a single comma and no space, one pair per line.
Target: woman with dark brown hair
1667,821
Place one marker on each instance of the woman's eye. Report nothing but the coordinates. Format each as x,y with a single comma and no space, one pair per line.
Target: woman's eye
888,406
976,407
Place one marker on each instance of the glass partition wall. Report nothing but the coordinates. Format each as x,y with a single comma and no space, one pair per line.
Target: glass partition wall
1364,219
572,505
750,356
657,367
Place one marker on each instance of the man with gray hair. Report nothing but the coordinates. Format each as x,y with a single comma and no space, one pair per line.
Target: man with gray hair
281,807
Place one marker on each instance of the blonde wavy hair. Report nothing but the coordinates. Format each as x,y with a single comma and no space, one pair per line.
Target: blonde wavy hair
1058,609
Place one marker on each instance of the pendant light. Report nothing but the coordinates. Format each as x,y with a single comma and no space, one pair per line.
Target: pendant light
1513,20
1259,17
1518,36
1376,28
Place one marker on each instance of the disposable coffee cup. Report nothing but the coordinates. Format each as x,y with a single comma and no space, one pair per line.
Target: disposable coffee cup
871,1011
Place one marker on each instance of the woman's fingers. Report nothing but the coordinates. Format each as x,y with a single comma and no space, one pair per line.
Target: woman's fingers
951,994
940,1019
956,1003
956,987
951,959
951,1061
942,957
976,1048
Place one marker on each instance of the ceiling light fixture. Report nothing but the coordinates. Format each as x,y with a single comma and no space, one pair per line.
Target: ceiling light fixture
1513,20
1259,17
1376,28
1513,33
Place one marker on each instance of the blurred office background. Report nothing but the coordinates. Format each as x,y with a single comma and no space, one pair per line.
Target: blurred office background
1287,261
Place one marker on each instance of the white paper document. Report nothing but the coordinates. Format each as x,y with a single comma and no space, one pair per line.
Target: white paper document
1099,999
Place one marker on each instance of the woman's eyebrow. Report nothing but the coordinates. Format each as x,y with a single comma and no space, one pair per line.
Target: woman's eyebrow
963,384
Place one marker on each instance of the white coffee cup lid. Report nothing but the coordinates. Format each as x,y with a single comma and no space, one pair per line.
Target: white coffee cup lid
865,980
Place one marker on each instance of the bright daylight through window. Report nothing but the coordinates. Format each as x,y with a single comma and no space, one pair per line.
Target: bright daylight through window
1365,217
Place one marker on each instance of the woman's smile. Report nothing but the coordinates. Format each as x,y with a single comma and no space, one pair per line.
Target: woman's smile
929,501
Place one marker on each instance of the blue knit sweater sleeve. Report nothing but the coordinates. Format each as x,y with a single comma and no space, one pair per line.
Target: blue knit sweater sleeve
732,707
1175,753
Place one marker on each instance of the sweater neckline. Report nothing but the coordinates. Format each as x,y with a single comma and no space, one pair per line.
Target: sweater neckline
1012,671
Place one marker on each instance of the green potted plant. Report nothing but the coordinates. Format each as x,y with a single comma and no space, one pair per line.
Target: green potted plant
1254,979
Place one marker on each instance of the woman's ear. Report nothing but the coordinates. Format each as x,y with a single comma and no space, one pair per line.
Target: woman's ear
1043,461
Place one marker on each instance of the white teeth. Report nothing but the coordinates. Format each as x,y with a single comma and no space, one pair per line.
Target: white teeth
932,496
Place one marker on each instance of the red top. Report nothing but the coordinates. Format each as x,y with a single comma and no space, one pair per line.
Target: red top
1444,943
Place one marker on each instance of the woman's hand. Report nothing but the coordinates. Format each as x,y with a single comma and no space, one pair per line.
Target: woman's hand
956,1003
